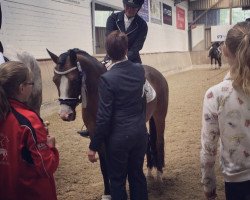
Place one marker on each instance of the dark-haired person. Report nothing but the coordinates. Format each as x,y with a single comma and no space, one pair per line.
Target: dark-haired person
120,121
28,156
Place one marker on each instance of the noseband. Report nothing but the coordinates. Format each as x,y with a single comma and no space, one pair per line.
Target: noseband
73,102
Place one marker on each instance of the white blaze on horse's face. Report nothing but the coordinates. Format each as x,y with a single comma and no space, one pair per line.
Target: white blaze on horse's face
64,87
65,110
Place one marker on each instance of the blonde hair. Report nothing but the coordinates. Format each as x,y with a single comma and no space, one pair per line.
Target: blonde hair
12,74
238,43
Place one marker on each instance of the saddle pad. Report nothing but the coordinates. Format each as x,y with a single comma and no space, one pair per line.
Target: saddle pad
149,91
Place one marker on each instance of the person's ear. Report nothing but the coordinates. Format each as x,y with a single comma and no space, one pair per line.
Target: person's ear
20,88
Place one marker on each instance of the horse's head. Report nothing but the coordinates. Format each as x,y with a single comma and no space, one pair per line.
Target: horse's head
68,80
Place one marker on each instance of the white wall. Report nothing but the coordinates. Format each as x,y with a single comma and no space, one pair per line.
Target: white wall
34,25
198,34
219,33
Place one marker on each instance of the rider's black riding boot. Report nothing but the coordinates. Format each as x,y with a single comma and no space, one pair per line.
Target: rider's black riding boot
84,133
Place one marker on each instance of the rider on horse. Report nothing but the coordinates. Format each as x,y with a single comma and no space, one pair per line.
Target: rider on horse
215,53
136,29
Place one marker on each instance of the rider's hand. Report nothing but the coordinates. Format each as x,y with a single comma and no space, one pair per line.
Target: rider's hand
91,156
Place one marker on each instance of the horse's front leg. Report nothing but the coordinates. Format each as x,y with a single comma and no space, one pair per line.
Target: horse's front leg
89,121
219,61
103,165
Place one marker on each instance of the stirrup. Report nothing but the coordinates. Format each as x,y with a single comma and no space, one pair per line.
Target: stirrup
84,133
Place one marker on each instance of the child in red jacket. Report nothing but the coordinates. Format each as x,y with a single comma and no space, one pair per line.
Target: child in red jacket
28,157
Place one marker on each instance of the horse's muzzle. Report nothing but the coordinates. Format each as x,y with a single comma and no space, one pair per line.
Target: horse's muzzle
68,117
66,113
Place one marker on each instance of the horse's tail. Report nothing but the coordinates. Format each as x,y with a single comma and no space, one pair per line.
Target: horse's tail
151,151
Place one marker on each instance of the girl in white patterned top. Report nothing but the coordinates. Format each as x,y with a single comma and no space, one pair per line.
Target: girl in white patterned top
226,118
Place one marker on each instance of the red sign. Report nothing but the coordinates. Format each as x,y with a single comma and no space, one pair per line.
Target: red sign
180,18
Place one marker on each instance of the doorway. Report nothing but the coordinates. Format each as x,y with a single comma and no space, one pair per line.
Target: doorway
100,14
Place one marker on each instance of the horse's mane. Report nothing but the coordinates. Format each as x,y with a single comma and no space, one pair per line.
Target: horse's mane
14,54
35,99
91,60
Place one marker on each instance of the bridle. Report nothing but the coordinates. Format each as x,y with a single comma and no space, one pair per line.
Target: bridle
73,102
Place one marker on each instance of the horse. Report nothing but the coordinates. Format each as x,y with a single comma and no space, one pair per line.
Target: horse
11,54
215,54
76,76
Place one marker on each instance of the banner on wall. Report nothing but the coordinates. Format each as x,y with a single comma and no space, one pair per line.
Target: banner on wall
155,10
143,12
180,18
167,14
219,33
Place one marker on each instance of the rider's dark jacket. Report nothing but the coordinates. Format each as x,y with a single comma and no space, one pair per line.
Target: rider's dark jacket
136,33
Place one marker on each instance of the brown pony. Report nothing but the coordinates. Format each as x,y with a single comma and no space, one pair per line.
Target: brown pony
76,76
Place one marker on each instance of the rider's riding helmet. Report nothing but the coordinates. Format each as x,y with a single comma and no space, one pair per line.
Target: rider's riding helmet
134,3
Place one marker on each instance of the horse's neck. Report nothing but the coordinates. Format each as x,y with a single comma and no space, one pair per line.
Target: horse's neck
92,72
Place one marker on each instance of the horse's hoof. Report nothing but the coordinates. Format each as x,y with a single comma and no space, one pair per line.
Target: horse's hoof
106,197
159,176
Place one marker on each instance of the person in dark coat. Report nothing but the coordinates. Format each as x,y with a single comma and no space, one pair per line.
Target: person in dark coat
120,122
129,22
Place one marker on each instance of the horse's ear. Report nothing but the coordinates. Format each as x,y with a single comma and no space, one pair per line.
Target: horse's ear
73,57
53,56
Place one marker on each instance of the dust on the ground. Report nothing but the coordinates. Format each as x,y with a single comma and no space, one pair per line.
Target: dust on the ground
77,178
